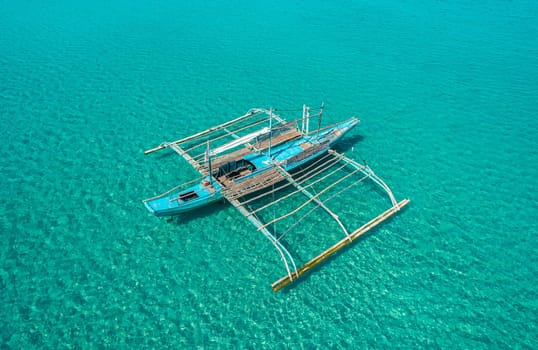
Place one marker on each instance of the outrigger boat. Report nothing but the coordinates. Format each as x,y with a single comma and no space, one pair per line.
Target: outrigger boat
243,160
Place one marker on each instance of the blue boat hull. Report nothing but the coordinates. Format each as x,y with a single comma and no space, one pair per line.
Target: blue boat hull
289,156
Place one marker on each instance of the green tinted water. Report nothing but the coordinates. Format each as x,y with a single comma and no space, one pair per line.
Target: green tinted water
447,96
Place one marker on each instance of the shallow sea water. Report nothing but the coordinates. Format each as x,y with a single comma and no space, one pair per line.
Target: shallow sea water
446,92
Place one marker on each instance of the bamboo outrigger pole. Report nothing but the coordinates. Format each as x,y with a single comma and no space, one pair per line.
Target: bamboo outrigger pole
215,128
284,281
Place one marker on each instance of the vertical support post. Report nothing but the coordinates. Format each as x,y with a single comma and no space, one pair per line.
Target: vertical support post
303,121
307,119
319,120
270,130
208,160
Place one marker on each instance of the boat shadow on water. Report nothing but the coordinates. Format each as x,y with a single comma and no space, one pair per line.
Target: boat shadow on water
348,143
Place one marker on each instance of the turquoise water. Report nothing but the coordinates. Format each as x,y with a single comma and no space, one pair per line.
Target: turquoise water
447,94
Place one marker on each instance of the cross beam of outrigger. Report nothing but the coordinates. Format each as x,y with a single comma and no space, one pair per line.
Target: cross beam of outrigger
259,161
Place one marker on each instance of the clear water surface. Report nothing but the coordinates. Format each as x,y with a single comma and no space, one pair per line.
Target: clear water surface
447,93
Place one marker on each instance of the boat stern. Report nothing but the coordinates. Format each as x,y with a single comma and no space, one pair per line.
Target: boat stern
164,206
175,202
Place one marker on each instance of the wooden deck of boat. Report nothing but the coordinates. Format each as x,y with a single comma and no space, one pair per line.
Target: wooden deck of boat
235,155
247,149
277,140
256,183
